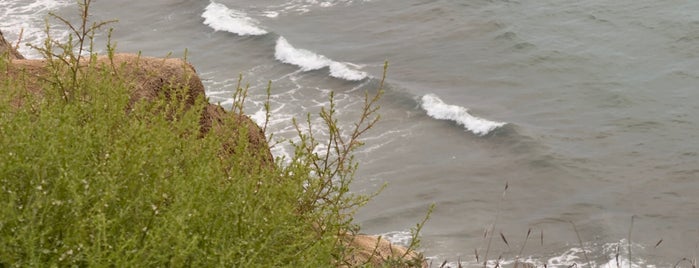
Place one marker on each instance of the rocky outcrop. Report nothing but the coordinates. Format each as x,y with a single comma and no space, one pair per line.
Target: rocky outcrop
374,251
6,47
148,78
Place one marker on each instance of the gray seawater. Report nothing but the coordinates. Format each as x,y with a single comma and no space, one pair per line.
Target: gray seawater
600,100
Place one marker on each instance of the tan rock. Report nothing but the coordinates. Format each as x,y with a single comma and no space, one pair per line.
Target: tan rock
148,78
374,251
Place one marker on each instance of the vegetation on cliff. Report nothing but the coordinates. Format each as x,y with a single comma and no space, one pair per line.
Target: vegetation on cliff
97,170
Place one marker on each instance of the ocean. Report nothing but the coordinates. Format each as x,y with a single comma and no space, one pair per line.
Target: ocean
565,130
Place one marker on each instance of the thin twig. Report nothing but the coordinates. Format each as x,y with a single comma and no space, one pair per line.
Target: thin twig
587,259
628,242
495,221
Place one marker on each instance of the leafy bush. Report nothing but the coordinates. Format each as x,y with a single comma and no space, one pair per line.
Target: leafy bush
84,182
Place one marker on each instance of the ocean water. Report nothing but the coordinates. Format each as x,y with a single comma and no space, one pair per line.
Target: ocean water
587,110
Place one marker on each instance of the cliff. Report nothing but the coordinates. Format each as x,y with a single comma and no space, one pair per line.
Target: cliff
148,78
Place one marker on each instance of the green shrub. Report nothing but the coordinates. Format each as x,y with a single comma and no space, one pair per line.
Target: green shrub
84,182
88,178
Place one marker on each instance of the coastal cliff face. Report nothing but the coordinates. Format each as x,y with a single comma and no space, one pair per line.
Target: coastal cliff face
149,78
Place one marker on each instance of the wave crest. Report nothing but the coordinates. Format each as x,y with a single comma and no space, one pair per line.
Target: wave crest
437,109
221,18
308,61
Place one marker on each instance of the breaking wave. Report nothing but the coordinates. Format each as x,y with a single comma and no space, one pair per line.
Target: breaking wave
221,18
437,109
308,61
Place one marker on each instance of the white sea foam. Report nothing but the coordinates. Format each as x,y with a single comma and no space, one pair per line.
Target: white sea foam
402,238
576,257
308,61
270,14
437,109
304,6
28,17
221,18
572,257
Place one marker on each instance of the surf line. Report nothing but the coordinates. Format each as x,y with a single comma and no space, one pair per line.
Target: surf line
222,18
